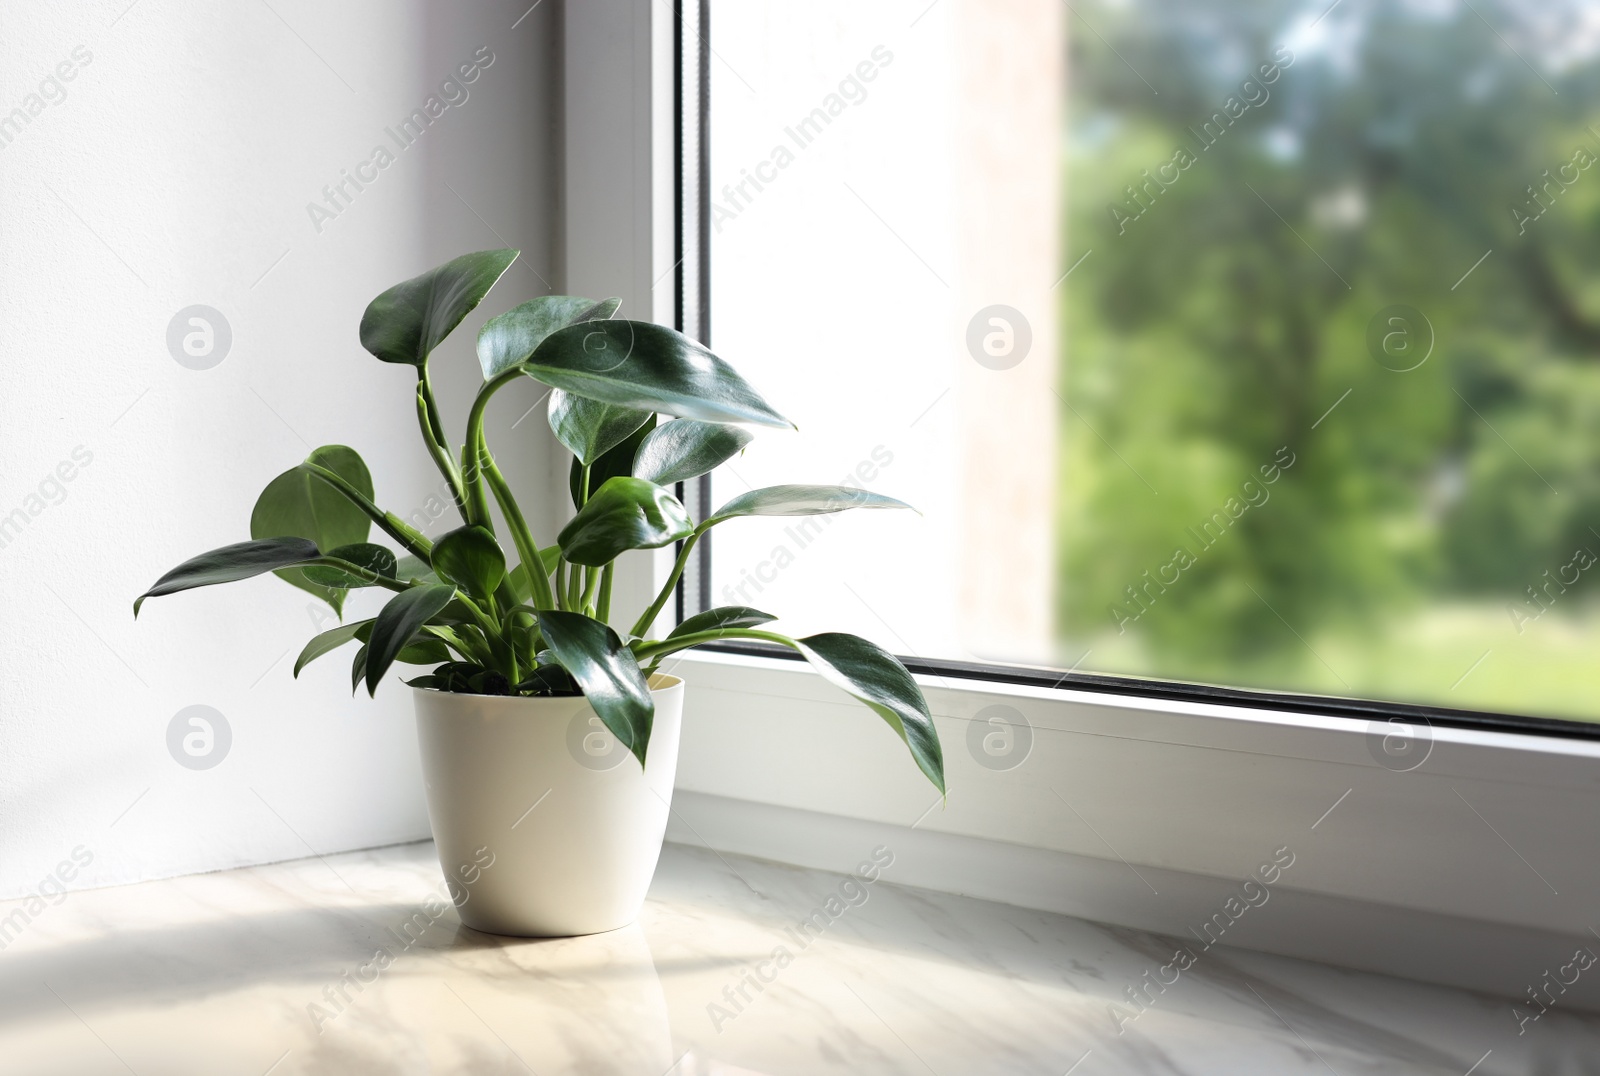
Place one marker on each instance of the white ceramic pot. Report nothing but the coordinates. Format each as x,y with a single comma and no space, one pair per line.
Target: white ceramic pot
546,826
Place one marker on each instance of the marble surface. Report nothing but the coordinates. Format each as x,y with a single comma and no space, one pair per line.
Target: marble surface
261,971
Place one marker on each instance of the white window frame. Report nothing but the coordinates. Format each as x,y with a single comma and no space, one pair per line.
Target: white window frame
1473,869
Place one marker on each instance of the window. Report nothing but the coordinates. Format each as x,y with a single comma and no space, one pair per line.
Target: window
1248,345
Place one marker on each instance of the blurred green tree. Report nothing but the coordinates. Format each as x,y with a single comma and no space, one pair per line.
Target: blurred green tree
1227,305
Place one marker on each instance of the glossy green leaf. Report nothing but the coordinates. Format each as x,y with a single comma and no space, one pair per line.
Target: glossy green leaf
877,678
454,613
617,463
625,513
471,559
230,563
358,668
451,676
650,368
299,504
509,338
590,428
329,641
397,622
548,680
408,321
522,631
607,672
521,587
802,501
412,567
463,678
374,558
686,448
462,641
489,682
720,618
423,651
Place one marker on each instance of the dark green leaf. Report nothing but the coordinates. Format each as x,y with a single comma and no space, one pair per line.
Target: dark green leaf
489,682
454,676
599,310
406,323
374,558
449,636
521,586
509,338
877,678
358,668
411,567
471,559
550,556
613,464
397,622
590,428
522,627
297,503
649,368
423,651
724,616
328,641
802,501
232,562
455,613
686,448
607,672
549,680
625,513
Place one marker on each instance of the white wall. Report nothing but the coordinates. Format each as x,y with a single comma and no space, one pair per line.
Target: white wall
177,171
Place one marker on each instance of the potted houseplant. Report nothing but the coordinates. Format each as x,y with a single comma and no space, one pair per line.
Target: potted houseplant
528,677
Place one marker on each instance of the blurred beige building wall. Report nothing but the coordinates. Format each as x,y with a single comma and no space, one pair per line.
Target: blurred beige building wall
1011,92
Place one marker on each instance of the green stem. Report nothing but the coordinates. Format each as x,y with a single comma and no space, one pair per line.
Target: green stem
467,648
648,617
435,423
485,653
364,574
433,436
591,582
392,524
486,623
487,470
527,549
474,485
603,608
474,468
499,646
661,649
570,587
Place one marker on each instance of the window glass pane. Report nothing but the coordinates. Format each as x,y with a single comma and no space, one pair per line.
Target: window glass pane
1244,343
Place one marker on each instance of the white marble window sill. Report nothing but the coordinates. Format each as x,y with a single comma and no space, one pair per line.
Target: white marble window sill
259,971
